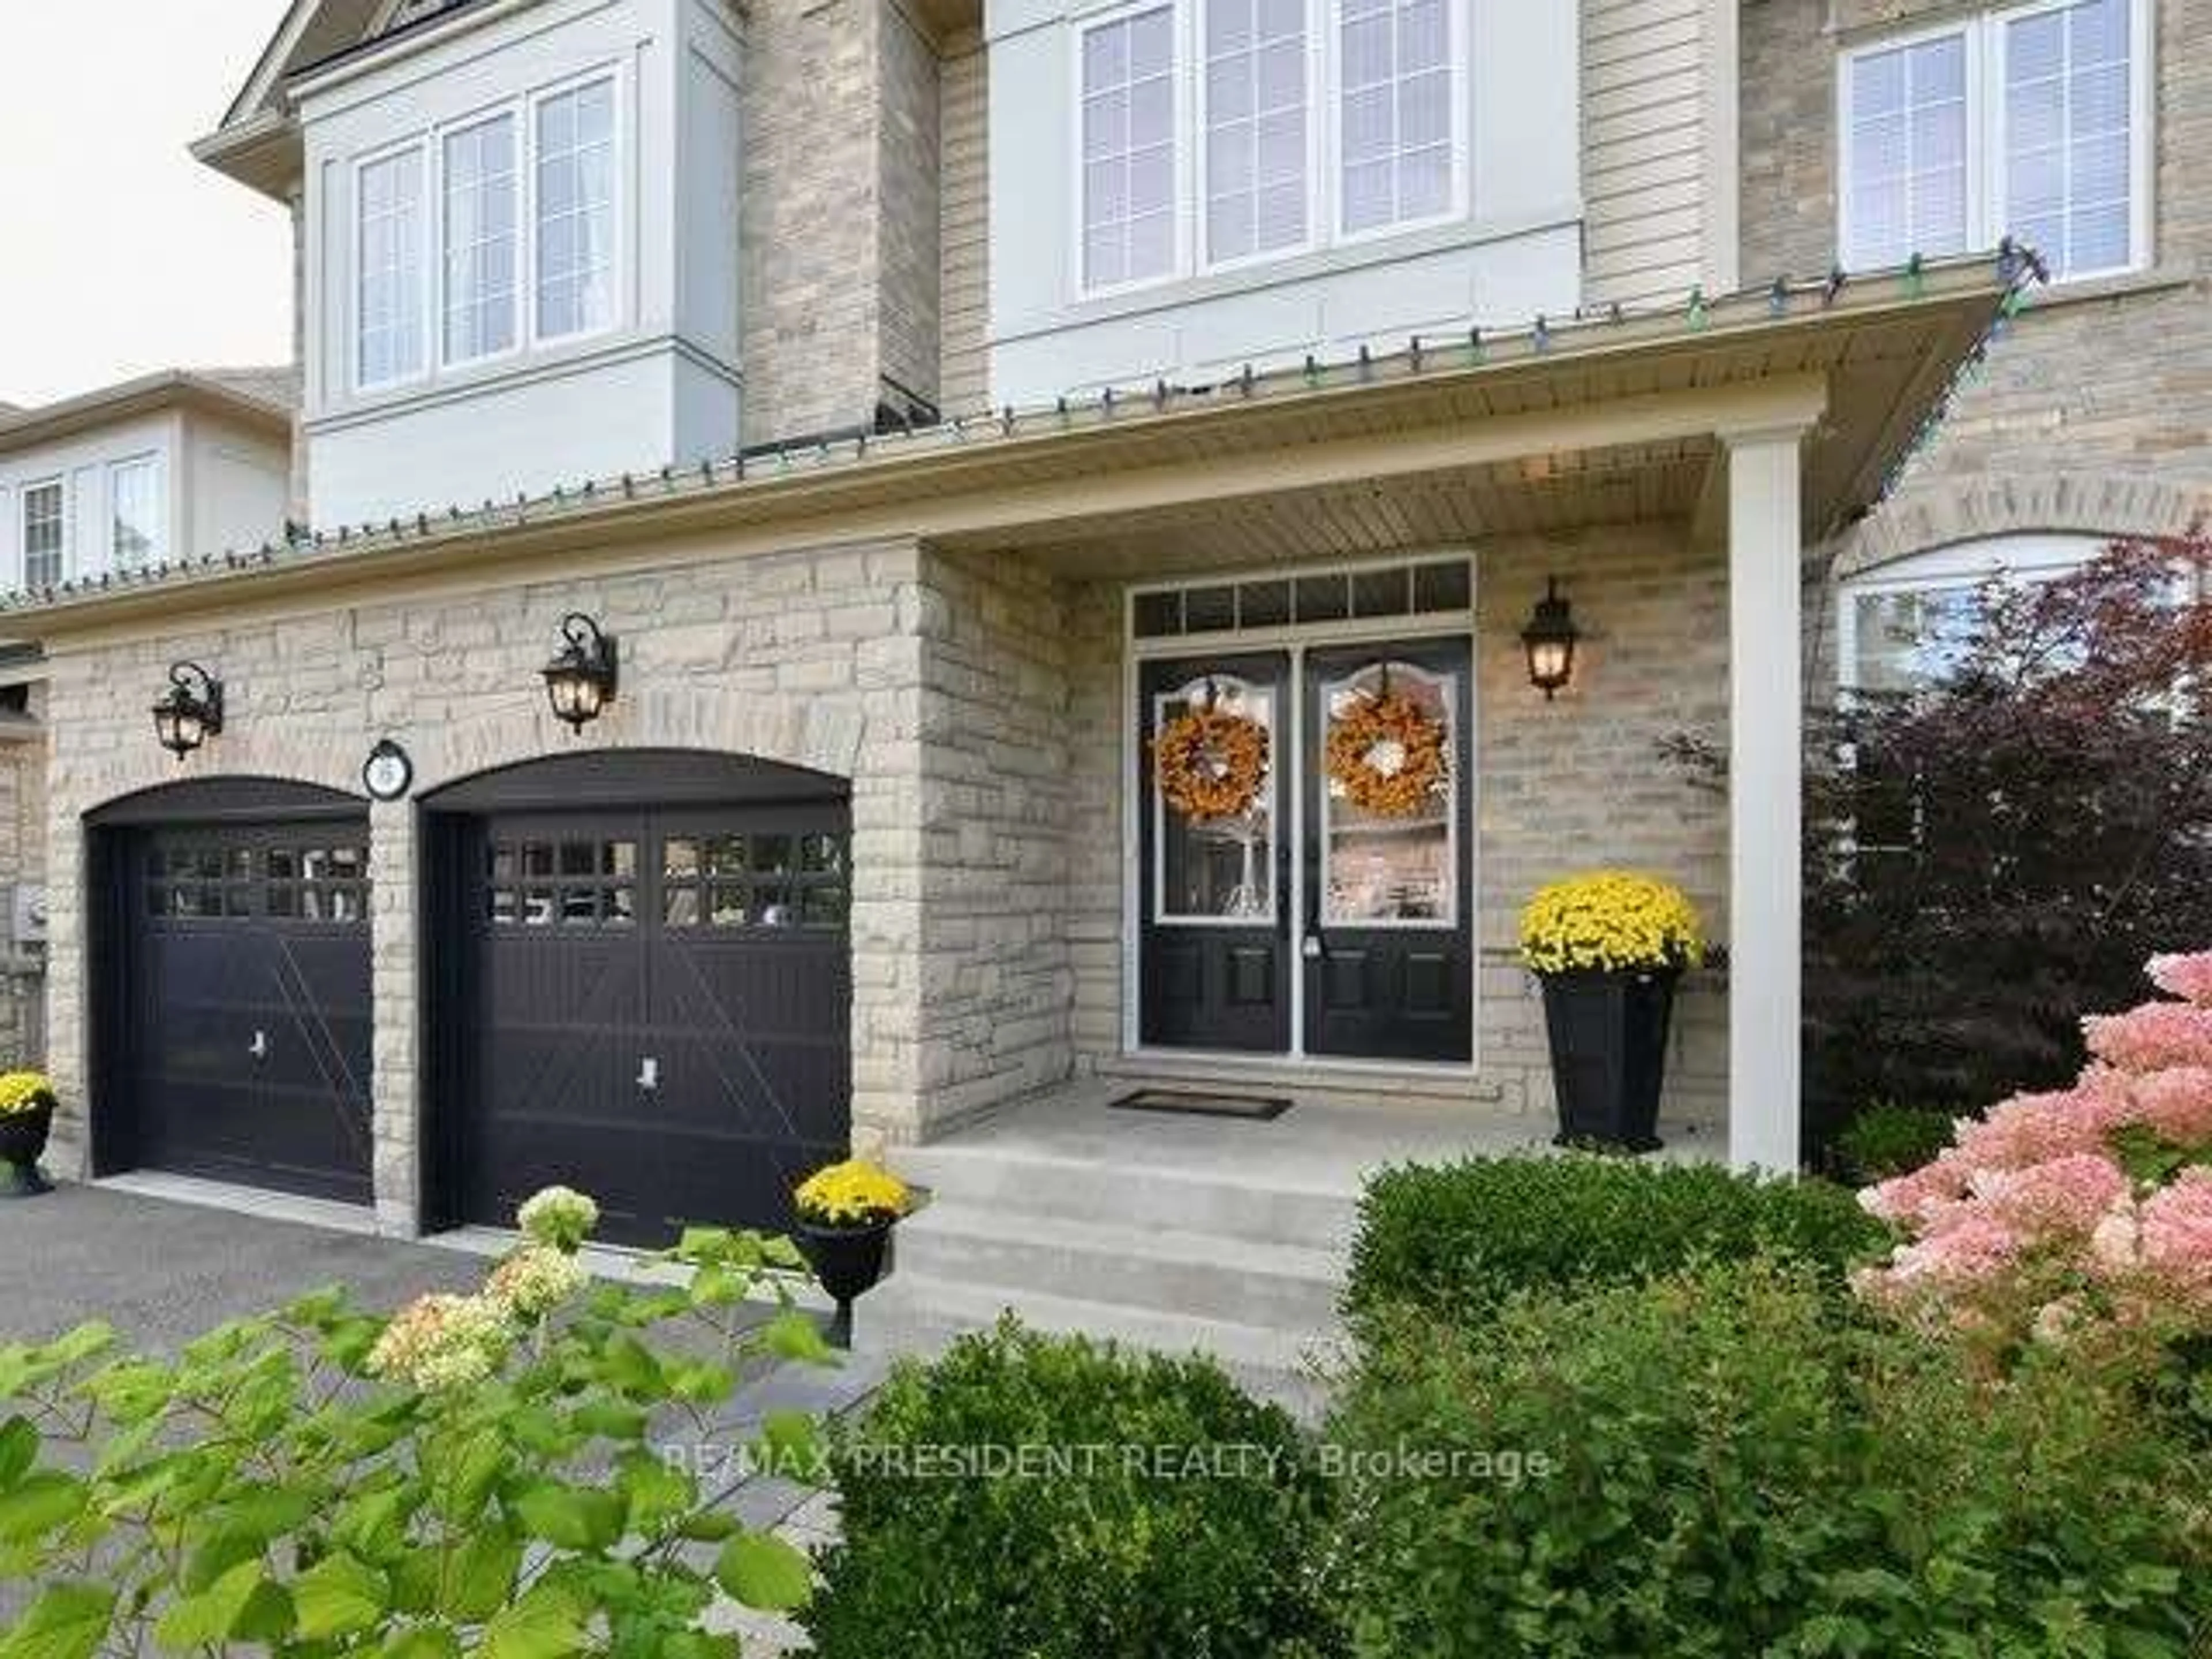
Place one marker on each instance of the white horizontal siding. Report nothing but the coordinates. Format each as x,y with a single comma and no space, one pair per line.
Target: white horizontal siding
1645,190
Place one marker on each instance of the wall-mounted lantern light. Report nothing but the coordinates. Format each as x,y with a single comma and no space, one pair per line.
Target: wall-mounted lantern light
1550,640
581,681
192,712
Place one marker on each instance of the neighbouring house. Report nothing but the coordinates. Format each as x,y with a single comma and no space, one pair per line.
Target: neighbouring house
893,418
111,483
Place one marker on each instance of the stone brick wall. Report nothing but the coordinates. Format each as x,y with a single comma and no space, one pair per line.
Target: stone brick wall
818,657
1571,785
2095,413
840,262
22,863
964,235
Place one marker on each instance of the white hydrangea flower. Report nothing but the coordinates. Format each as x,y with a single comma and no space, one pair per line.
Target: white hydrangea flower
559,1216
536,1279
440,1342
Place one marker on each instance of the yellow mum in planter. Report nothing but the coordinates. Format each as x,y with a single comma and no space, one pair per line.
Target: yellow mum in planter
856,1194
24,1091
1610,920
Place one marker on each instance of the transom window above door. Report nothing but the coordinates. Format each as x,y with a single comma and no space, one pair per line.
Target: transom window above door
2032,122
1213,133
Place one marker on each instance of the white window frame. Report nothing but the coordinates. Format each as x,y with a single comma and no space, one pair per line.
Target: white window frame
618,206
429,146
59,483
1273,792
1179,75
1987,179
157,547
1447,685
1317,196
1457,55
2027,560
518,313
423,150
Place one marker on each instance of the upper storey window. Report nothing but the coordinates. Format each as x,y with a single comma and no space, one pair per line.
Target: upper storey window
489,235
1314,121
2032,122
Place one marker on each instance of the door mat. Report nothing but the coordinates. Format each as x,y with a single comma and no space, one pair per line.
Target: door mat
1257,1108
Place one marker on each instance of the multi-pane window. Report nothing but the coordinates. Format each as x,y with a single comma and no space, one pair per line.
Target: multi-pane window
482,239
576,210
134,503
1906,117
2026,123
393,270
1129,149
1395,109
45,534
2068,138
773,880
1256,136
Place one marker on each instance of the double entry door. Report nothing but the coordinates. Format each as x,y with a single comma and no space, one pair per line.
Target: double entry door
1329,913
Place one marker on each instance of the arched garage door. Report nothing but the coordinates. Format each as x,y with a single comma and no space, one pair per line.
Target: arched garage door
641,988
230,985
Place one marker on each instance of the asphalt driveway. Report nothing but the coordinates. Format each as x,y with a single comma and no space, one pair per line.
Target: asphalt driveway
163,1272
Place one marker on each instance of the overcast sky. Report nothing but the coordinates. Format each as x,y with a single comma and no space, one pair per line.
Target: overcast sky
119,254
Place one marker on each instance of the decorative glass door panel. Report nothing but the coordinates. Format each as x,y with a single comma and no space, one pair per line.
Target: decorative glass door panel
1387,948
1215,867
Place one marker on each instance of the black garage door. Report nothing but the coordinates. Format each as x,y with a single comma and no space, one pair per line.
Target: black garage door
232,972
650,1002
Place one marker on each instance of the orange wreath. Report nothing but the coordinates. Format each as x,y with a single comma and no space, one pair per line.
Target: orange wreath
1387,753
1211,763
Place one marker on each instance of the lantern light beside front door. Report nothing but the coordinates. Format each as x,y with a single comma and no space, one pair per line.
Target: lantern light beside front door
1550,639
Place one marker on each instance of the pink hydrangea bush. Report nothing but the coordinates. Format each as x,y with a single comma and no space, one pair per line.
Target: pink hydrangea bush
2088,1209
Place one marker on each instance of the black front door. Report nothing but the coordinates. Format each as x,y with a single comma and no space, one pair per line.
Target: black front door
660,1004
1215,892
1388,942
245,1028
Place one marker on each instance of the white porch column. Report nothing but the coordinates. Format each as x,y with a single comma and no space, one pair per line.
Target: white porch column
1765,767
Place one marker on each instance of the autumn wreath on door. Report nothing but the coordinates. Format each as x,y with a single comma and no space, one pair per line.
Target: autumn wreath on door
1211,760
1389,753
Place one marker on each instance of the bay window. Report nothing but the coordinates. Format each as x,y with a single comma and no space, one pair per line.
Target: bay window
45,534
135,511
1129,159
1212,133
576,210
481,239
2032,122
494,233
389,295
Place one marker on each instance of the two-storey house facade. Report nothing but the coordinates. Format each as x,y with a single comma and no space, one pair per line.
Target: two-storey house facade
776,479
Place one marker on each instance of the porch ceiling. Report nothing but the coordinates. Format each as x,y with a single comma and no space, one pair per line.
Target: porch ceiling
1588,422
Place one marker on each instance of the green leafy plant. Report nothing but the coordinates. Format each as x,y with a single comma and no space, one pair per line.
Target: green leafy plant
1042,1496
1885,1140
476,1475
1728,1461
1455,1240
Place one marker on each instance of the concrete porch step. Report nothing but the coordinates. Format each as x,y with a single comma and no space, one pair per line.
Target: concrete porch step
1199,1276
1113,1192
919,1314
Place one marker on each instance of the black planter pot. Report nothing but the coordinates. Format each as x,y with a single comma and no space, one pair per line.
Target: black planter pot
849,1260
22,1143
1608,1034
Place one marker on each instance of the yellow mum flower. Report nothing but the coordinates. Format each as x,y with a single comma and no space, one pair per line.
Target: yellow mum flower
854,1194
1611,919
24,1091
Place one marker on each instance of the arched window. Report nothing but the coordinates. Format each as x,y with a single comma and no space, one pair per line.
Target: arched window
1901,625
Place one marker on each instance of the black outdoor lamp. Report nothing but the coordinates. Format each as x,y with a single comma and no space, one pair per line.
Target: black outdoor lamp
193,711
1550,640
581,681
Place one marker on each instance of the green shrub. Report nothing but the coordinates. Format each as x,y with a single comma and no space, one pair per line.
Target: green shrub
945,1556
1886,1140
1728,1461
1456,1239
